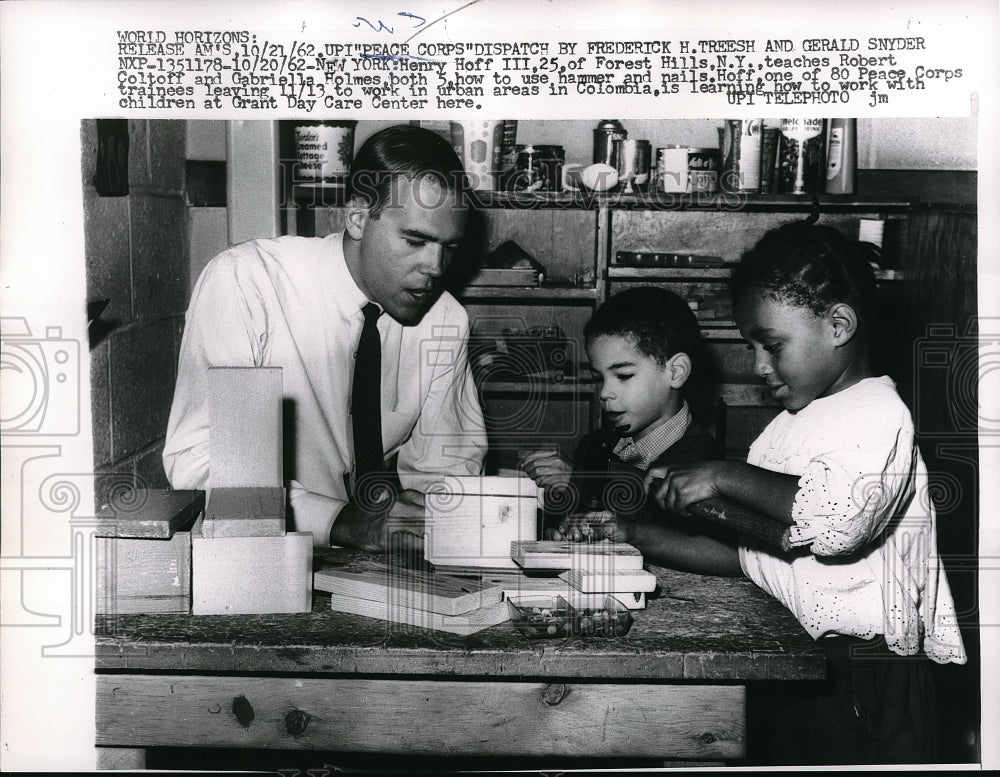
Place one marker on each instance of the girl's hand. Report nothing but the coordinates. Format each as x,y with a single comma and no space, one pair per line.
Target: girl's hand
675,489
547,468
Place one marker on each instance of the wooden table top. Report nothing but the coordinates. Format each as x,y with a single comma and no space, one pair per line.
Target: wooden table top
695,628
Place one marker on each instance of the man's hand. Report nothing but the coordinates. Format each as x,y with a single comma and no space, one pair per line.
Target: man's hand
547,468
674,489
395,524
590,527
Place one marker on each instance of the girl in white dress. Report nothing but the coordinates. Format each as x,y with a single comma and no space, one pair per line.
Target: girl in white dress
840,466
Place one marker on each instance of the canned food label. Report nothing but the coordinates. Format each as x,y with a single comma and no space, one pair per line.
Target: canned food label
324,152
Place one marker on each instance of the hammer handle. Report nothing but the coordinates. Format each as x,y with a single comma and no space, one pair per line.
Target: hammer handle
744,520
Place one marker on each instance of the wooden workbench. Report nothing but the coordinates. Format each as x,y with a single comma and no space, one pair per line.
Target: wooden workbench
674,687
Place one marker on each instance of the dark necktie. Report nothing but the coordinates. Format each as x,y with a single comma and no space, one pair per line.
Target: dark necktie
366,407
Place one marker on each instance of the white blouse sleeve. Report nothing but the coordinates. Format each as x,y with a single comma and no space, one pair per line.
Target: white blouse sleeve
849,494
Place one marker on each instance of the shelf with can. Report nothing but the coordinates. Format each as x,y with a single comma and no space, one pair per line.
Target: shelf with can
332,194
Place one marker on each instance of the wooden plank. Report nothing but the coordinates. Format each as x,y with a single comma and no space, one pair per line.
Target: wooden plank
150,513
471,521
618,581
424,716
517,585
244,405
398,612
251,575
144,576
245,512
414,589
556,554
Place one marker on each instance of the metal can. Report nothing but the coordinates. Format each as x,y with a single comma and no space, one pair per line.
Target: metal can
631,160
605,135
703,170
672,169
741,155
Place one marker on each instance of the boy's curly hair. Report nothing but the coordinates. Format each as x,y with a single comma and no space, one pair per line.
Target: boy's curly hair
657,321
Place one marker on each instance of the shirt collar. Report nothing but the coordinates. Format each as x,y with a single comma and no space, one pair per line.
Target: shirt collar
644,452
348,289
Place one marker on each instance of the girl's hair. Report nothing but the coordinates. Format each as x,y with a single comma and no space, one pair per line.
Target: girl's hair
812,266
406,151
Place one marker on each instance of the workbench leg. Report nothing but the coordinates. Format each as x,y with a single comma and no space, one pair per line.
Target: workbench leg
121,758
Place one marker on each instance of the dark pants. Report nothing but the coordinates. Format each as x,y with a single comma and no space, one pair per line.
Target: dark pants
874,707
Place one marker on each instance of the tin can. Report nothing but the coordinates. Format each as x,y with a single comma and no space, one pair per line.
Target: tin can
478,145
632,161
605,135
741,155
703,170
672,169
324,149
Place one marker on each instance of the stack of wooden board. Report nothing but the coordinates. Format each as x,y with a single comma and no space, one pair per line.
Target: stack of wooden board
244,560
414,597
589,572
144,552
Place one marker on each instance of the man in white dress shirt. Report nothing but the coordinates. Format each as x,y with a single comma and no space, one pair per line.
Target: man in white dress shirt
296,303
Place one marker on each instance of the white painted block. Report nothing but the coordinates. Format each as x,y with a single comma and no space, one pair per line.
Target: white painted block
616,581
251,575
244,427
472,521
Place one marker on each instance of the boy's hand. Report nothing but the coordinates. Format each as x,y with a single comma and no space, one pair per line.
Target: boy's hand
547,468
589,527
674,489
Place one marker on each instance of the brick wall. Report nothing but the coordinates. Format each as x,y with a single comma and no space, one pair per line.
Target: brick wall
138,258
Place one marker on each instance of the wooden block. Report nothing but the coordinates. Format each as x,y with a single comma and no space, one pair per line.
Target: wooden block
471,521
150,513
618,581
251,575
517,586
144,576
557,554
244,410
245,512
408,588
465,623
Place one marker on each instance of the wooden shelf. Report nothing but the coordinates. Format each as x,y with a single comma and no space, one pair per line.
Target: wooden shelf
620,272
723,201
545,293
332,195
541,386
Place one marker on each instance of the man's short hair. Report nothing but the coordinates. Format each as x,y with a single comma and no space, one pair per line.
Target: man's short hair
658,322
403,151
